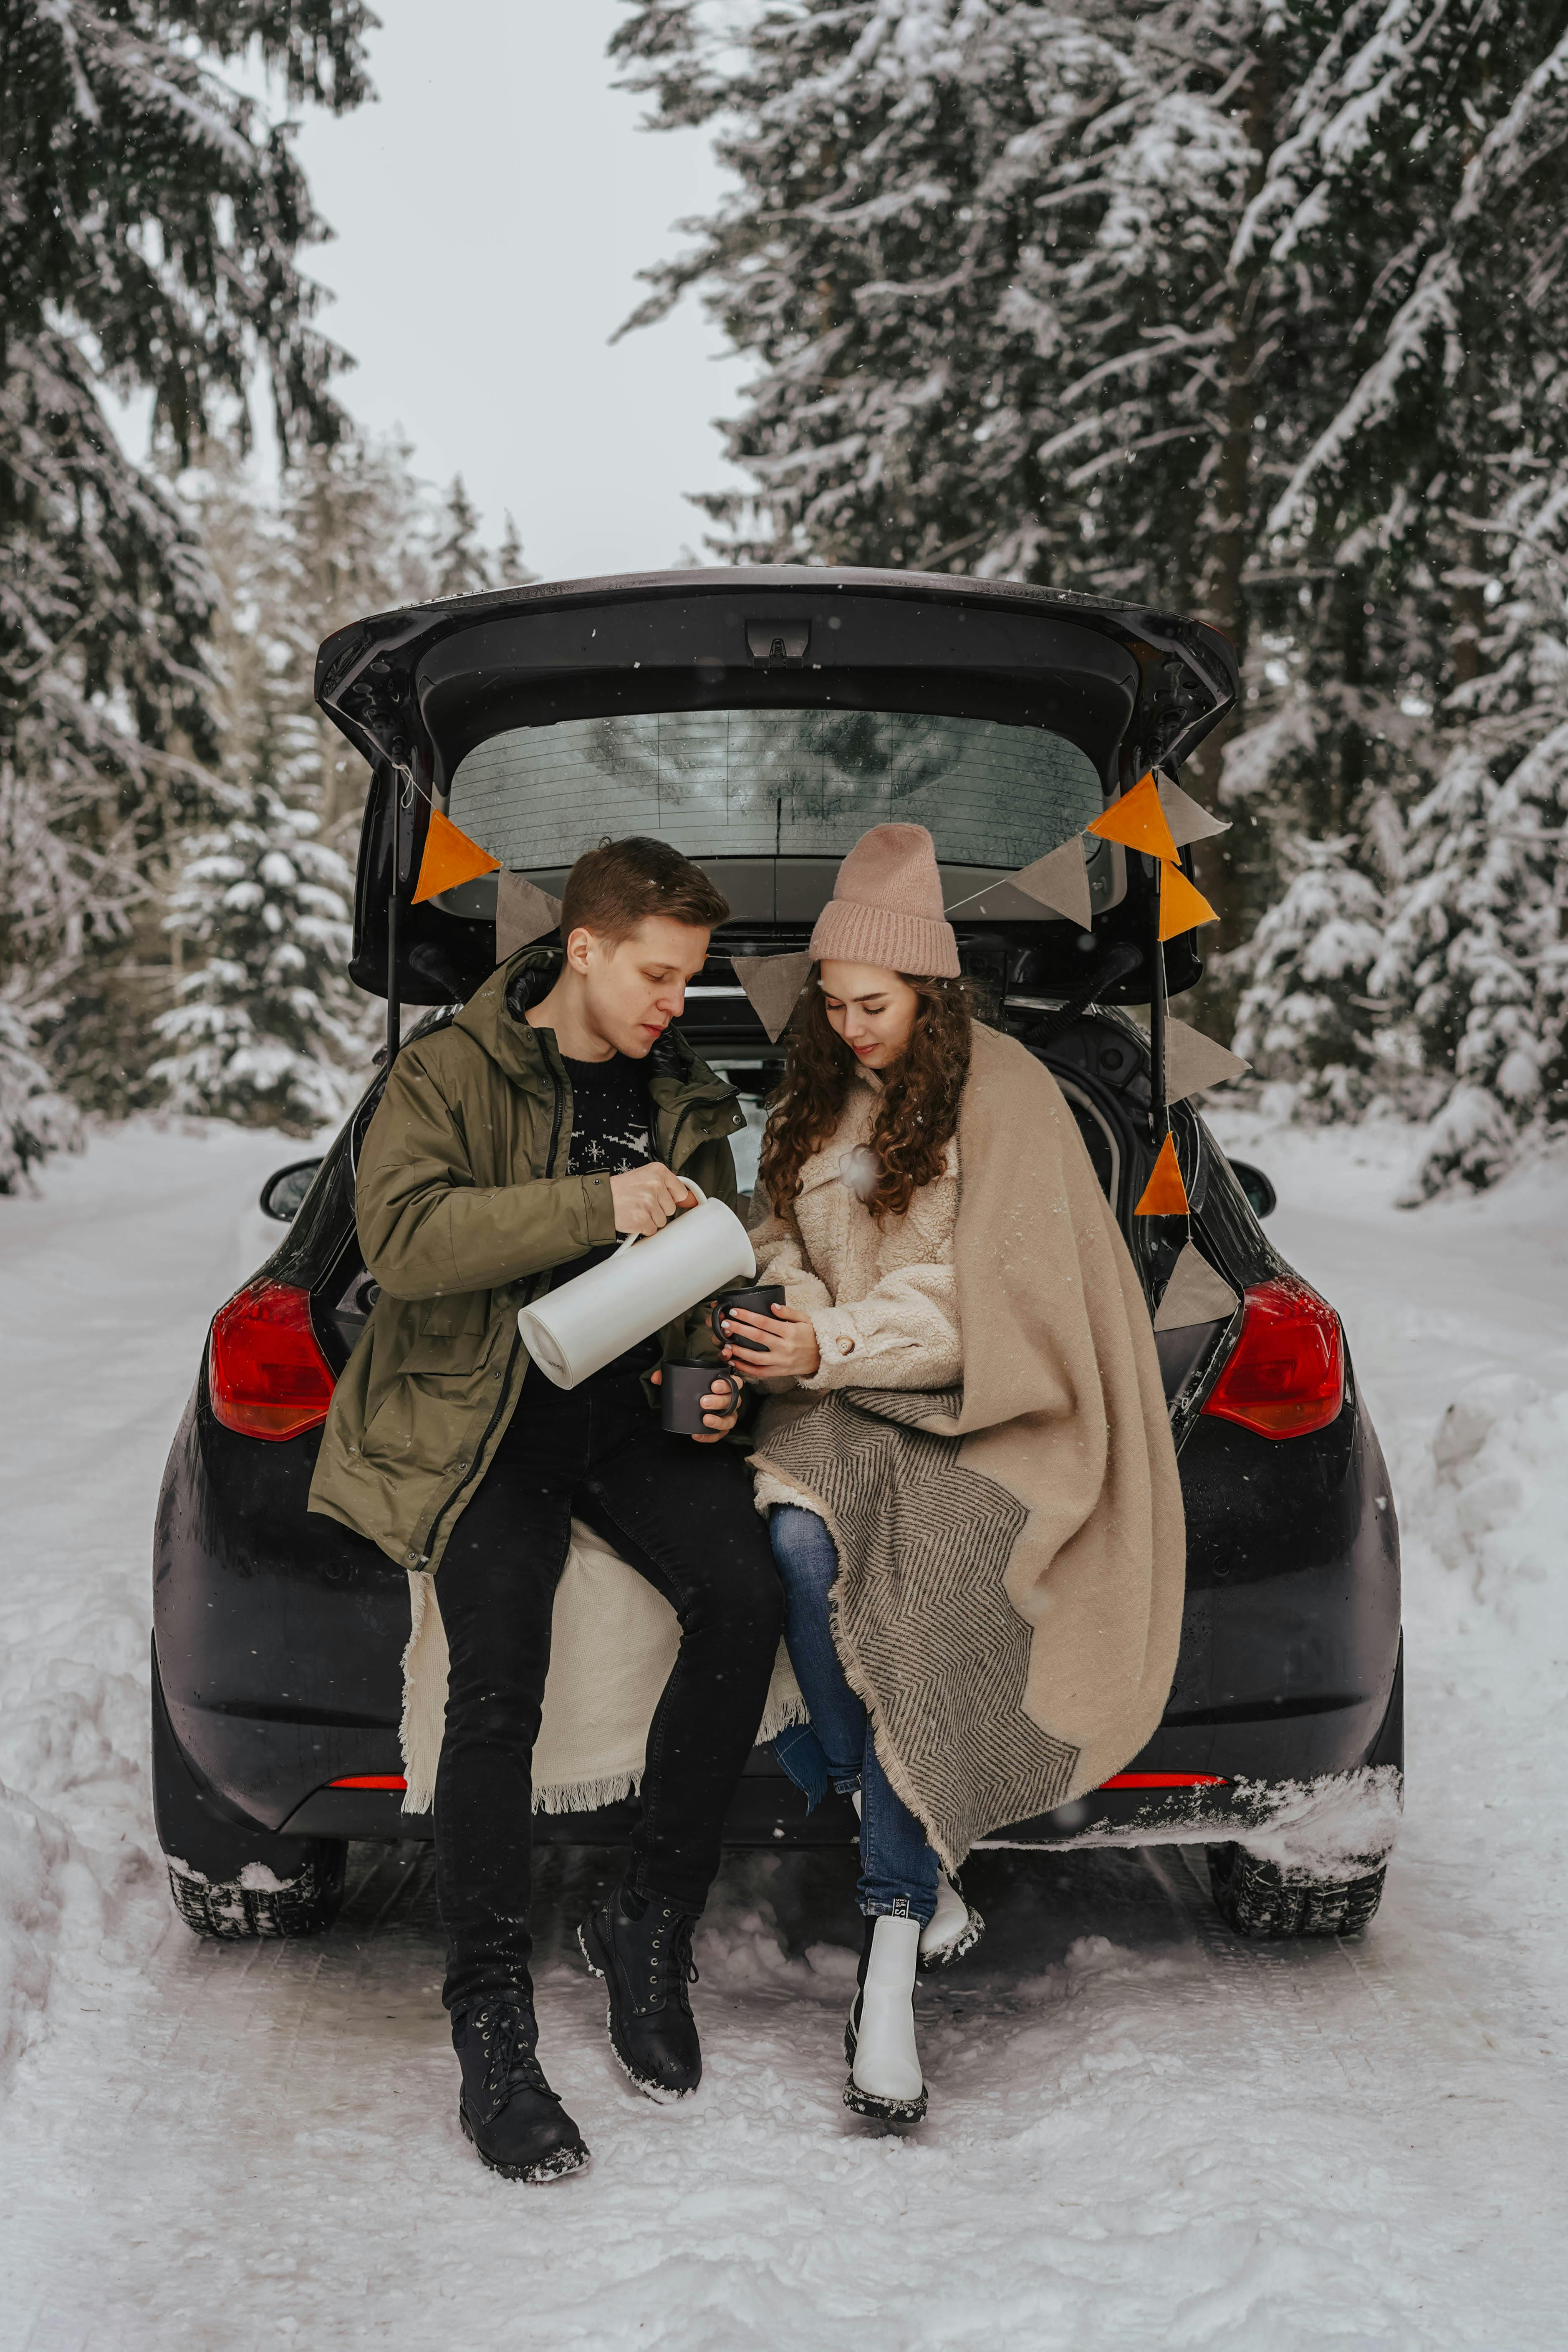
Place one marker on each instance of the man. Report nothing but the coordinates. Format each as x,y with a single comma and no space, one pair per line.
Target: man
509,1151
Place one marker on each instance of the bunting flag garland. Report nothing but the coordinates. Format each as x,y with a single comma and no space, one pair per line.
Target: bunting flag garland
773,984
1138,822
1187,820
1181,907
1164,1195
523,913
1193,1061
450,858
1060,881
1195,1293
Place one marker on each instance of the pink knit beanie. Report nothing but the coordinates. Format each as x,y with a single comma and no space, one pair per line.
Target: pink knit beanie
886,907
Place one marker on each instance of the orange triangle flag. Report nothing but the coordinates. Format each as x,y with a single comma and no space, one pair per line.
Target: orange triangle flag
1138,822
450,858
1164,1195
1182,908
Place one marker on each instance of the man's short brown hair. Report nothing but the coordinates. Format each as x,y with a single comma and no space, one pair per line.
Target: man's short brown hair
614,887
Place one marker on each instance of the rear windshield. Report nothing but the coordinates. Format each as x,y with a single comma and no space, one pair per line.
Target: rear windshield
790,783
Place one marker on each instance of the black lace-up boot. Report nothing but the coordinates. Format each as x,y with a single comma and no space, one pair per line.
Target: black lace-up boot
515,2120
641,1946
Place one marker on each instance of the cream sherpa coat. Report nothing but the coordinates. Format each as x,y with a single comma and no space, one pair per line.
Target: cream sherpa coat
883,1298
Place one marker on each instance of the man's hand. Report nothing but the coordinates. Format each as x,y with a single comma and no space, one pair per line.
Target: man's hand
788,1351
723,1416
647,1198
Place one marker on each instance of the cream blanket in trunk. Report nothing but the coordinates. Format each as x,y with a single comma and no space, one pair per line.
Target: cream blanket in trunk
1012,1554
612,1643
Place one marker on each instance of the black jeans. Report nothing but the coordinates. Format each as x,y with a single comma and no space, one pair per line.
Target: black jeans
682,1516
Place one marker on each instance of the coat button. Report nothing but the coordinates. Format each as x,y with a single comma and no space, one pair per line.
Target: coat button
846,1344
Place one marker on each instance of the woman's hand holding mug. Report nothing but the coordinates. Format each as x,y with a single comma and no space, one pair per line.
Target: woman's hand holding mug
788,1350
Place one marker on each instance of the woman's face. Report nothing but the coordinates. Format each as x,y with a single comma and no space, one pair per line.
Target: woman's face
871,1009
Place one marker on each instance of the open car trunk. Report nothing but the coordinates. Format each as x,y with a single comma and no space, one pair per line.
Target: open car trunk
761,720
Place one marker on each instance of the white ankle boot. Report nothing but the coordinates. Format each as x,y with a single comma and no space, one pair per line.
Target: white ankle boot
953,1928
885,2076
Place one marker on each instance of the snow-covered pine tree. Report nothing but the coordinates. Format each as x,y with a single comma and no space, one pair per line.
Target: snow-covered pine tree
150,218
1305,1017
1477,957
266,1031
1447,129
462,563
35,1117
354,533
265,1025
511,570
1191,302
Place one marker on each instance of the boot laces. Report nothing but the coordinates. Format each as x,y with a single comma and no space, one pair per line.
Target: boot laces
670,1964
506,2035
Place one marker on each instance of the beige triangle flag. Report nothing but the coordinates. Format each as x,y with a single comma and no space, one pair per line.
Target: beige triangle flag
773,984
1187,819
1060,881
523,913
1194,1061
1195,1293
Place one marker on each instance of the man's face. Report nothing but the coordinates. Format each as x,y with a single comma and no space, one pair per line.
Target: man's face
634,988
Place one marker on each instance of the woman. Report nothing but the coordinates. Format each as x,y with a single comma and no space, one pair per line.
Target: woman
920,1180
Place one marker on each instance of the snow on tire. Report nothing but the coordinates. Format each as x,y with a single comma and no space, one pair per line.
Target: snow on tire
1257,1899
258,1902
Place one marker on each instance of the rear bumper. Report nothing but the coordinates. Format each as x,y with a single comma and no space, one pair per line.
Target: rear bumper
278,1636
1328,1796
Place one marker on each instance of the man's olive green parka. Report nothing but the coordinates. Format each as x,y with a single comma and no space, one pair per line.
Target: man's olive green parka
464,1213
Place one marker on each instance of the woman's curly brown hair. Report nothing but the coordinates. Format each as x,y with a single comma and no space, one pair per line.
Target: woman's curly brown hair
916,1117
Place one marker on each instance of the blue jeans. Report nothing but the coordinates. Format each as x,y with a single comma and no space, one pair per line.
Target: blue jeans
898,1869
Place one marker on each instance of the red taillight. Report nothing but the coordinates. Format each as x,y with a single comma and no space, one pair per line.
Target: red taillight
1163,1780
266,1374
1287,1375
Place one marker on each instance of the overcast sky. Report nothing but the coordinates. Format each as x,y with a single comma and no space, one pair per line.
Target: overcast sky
492,211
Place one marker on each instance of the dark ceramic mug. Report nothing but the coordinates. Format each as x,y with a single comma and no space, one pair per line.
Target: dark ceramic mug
681,1391
760,1300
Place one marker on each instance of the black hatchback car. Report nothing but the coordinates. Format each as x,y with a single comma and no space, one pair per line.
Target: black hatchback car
760,719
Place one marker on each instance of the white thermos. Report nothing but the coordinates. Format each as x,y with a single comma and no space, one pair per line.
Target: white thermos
586,1324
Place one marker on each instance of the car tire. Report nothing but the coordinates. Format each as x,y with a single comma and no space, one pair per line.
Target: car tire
232,1880
1256,1898
234,1909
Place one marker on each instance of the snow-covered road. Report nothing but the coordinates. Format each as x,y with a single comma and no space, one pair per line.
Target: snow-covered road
1143,2132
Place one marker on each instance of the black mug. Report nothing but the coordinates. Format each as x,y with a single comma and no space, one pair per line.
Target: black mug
760,1300
681,1391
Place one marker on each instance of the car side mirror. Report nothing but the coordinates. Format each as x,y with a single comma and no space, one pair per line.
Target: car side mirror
1261,1197
283,1194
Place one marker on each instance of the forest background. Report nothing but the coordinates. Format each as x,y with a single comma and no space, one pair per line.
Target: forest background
1250,307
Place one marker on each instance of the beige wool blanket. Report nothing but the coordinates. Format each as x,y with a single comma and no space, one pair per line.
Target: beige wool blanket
1011,1552
612,1643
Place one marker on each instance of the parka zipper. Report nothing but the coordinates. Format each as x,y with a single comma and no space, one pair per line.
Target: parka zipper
473,1470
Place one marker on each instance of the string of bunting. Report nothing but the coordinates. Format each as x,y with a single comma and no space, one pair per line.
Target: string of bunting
450,858
1158,819
1155,818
